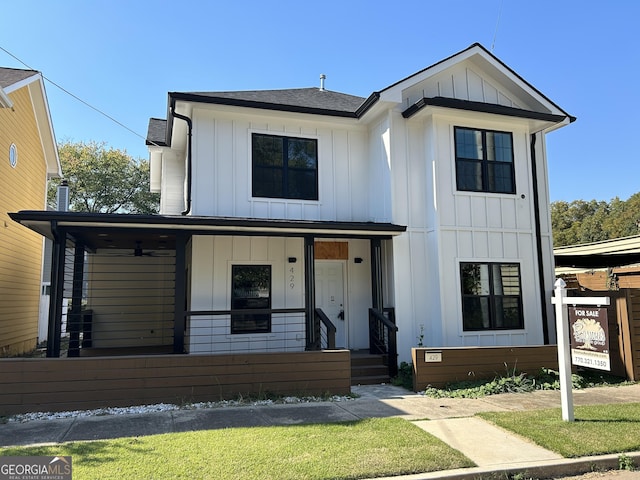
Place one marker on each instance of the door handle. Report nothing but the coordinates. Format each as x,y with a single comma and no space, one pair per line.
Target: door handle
341,315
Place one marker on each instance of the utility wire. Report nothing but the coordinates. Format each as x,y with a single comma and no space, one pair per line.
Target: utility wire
74,96
495,33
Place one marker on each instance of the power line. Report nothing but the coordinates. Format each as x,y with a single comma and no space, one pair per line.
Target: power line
495,33
74,96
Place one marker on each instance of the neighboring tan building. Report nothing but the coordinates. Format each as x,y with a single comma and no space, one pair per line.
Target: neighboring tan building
28,158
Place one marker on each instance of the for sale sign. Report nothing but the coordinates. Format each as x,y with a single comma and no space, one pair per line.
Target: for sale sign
590,343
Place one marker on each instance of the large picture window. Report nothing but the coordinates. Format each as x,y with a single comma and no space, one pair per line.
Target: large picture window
484,161
250,290
491,296
284,167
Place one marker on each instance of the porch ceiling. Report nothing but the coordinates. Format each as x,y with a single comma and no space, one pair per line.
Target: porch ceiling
158,231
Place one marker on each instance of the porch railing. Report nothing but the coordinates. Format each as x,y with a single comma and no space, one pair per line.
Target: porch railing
325,331
382,336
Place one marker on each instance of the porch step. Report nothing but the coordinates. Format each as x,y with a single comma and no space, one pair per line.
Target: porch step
367,369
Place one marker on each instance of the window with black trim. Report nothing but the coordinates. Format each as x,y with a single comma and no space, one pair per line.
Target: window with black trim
284,167
484,161
250,290
491,296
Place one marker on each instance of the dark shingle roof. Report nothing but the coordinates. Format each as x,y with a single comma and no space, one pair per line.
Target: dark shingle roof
311,100
300,100
157,132
9,76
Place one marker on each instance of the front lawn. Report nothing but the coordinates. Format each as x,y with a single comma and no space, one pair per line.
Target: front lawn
367,448
598,429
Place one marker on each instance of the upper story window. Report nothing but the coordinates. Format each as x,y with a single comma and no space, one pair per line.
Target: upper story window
284,167
484,161
491,296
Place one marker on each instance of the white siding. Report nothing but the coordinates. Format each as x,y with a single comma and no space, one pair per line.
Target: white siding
211,290
222,169
172,199
446,227
465,81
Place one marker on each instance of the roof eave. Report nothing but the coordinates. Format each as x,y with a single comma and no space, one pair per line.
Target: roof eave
41,222
482,107
235,102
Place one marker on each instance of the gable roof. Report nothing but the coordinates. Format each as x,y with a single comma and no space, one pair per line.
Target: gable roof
324,102
478,55
12,79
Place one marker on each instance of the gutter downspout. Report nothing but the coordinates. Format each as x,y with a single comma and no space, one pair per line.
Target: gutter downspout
536,207
189,158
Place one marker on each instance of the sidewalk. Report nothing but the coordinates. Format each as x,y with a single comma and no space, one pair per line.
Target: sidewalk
451,420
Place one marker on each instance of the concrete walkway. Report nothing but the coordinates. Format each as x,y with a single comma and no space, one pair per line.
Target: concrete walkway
452,420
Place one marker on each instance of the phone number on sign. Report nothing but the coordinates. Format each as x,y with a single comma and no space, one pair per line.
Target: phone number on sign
591,362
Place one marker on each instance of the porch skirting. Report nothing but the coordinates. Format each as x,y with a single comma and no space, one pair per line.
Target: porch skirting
59,384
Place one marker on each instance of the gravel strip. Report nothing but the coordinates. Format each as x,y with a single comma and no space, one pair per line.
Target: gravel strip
164,407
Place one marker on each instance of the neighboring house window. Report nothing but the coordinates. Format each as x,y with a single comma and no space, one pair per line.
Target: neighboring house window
250,290
284,167
491,296
484,161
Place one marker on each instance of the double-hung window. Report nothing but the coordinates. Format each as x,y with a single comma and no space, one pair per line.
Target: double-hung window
284,167
484,161
491,296
250,290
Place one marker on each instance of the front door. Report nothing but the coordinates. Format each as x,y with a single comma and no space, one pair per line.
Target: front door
330,296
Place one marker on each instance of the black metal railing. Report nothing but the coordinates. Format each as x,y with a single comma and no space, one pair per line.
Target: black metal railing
383,336
325,331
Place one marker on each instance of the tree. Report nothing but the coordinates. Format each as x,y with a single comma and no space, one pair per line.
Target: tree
104,180
583,221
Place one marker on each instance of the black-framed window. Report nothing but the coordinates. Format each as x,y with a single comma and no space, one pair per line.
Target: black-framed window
284,167
491,296
484,161
250,290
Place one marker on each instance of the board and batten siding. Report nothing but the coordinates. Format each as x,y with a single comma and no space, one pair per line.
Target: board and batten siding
210,289
465,81
446,227
222,168
21,188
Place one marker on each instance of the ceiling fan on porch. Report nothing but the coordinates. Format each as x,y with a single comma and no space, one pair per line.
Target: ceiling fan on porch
138,252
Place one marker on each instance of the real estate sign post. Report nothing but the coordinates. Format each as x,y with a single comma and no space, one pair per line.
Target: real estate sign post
593,335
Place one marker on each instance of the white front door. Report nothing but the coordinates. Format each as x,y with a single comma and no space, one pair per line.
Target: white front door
330,296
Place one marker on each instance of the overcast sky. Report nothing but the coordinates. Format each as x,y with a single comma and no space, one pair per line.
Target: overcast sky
122,57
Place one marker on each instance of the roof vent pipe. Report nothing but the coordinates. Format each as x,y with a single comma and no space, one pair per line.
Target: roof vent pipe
62,202
322,78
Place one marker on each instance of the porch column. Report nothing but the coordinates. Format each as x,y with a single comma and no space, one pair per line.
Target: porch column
180,300
376,274
57,290
310,291
74,319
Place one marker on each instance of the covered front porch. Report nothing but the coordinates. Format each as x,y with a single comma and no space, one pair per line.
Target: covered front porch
150,284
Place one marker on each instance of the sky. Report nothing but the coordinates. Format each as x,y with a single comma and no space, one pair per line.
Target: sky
122,57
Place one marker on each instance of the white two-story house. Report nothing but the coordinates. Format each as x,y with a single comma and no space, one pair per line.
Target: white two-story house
302,219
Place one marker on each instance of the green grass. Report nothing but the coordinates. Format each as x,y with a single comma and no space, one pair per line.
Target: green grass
598,429
367,448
